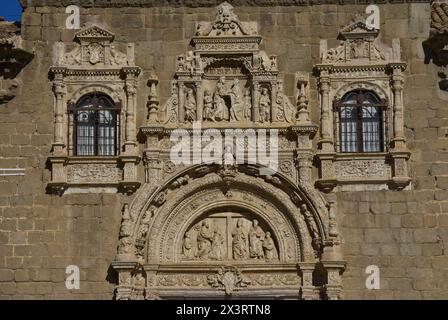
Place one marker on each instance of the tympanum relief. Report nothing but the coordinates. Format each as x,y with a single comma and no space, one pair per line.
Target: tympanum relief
229,236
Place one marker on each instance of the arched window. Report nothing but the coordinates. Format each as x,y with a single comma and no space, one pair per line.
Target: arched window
95,119
361,122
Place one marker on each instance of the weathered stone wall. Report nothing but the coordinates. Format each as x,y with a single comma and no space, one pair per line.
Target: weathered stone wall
403,232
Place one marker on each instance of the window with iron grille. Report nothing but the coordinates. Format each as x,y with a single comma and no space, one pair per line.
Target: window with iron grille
361,117
96,124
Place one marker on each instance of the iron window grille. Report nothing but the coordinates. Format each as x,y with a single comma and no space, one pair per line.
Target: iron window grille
95,125
360,122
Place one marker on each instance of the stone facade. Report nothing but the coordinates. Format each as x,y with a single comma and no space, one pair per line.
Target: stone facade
139,226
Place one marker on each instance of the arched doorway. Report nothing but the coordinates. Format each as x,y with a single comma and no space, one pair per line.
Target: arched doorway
216,232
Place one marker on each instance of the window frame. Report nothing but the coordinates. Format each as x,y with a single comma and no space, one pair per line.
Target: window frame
381,106
114,109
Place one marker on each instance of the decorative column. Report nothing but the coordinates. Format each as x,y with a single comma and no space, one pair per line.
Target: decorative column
326,154
307,290
199,100
305,135
181,102
397,87
334,288
399,152
326,141
59,92
302,81
153,101
274,99
255,90
129,158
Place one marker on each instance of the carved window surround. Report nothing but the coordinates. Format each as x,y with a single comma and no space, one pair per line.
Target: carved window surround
94,65
361,61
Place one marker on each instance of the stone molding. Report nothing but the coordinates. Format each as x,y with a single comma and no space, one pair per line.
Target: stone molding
195,3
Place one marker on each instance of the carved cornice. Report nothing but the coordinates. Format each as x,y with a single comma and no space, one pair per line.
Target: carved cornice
195,3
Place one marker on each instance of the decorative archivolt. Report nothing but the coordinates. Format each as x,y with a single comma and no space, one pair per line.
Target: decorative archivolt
111,90
178,194
342,89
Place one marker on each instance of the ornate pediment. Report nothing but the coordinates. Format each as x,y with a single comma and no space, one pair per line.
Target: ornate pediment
95,49
358,29
359,45
94,33
226,24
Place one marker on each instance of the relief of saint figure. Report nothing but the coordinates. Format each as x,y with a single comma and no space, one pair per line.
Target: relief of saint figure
221,111
218,250
204,239
190,106
235,100
256,237
239,241
188,249
270,251
264,105
209,112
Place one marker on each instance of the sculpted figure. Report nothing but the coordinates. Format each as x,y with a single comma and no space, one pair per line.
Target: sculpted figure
236,100
247,105
270,251
218,249
188,249
209,112
264,105
256,237
286,110
221,111
204,239
190,106
239,241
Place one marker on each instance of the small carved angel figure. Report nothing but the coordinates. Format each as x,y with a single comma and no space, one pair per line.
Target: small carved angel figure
190,106
264,105
270,251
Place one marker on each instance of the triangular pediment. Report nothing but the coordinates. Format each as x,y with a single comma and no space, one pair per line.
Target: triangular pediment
94,33
358,29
